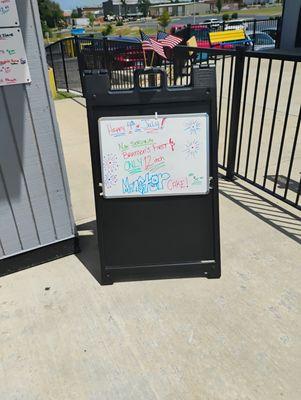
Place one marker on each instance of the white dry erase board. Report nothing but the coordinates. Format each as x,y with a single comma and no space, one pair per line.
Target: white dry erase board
152,155
13,61
8,13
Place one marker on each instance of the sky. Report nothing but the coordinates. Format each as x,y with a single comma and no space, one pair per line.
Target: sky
70,4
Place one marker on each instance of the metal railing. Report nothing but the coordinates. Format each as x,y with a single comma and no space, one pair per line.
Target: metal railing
260,131
259,104
62,58
262,32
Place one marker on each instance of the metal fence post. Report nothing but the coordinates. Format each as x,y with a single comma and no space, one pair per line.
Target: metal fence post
235,111
64,66
254,32
278,33
80,63
105,53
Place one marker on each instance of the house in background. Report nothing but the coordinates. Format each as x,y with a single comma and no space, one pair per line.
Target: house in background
116,7
84,12
180,9
255,2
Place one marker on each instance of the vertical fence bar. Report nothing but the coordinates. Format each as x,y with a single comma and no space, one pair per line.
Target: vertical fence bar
263,117
298,193
252,116
292,155
243,113
273,123
278,32
235,111
285,125
254,33
221,97
228,109
64,65
80,62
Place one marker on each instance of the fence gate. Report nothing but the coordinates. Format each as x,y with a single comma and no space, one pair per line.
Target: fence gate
156,197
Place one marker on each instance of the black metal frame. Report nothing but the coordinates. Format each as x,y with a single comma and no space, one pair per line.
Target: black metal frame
203,259
98,54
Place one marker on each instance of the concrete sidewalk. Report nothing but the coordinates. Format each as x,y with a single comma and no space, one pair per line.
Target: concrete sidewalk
65,337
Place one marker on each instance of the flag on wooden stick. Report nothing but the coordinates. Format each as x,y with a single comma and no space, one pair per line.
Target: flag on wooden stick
151,44
168,40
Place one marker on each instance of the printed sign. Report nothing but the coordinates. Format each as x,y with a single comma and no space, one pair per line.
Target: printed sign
13,61
8,13
154,156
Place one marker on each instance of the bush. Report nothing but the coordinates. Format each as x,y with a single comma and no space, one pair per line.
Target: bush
226,17
107,30
119,23
234,15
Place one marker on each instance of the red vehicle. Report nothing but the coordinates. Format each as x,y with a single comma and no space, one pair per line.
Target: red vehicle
199,31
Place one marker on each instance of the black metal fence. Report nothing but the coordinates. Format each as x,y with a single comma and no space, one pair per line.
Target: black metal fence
259,121
259,101
264,33
62,58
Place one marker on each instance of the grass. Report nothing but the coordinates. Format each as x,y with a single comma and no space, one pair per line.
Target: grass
130,30
265,11
65,95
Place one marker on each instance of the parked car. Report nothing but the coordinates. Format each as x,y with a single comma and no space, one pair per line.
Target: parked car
271,31
261,40
236,24
109,18
213,23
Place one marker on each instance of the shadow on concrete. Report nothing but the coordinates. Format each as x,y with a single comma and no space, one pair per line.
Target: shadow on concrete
279,218
89,254
281,182
264,209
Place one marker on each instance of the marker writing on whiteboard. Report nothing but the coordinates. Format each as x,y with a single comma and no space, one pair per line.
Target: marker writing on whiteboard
145,183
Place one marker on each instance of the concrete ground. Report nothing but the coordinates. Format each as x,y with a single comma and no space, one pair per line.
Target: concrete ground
65,337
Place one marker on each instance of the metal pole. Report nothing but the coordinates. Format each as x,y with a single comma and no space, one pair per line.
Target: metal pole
235,111
64,66
254,33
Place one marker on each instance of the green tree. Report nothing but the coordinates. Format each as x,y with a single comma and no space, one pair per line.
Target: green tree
234,15
50,13
219,5
91,19
226,17
164,19
143,7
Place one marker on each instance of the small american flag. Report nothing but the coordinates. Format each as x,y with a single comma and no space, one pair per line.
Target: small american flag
151,44
168,40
